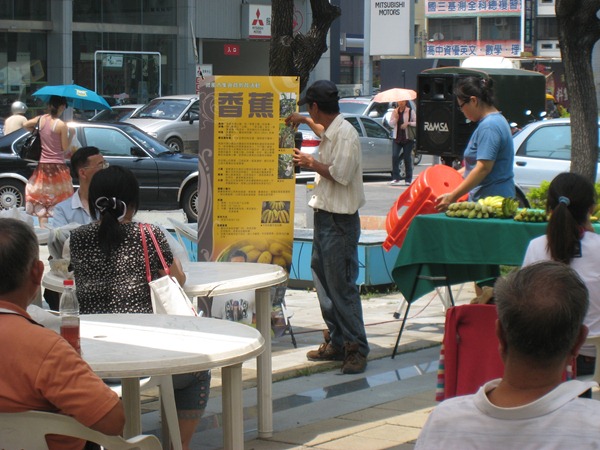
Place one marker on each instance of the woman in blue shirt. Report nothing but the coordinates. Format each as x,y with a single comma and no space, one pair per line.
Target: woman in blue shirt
489,156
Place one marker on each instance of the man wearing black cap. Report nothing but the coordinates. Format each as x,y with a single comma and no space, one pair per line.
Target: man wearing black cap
336,198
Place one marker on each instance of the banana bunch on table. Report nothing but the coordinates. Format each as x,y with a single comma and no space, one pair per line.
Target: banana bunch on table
484,208
531,215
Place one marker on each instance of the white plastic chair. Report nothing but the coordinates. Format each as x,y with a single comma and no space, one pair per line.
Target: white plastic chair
594,340
185,230
28,430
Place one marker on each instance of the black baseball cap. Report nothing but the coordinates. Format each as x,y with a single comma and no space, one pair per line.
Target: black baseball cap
322,91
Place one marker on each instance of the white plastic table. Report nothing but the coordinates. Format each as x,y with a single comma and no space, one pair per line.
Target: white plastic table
131,346
218,278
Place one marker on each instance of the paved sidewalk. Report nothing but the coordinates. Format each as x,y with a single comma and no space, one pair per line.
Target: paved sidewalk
315,406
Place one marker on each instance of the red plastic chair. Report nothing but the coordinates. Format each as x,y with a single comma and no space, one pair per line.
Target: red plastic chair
419,198
469,357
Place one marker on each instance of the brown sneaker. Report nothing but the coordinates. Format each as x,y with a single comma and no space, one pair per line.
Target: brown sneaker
326,351
355,362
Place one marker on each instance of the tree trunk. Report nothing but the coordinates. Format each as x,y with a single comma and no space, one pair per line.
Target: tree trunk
578,31
297,55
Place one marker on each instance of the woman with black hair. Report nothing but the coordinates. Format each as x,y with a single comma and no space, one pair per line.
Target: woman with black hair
570,238
489,156
51,181
110,272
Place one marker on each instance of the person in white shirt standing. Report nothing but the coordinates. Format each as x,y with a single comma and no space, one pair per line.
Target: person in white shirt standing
336,198
540,329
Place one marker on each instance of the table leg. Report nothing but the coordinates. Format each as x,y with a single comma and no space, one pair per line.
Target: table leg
169,412
264,365
133,409
233,408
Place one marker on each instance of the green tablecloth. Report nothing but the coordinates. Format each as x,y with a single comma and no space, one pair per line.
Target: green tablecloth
458,250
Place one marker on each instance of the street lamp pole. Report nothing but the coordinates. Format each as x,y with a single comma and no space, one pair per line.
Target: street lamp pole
367,77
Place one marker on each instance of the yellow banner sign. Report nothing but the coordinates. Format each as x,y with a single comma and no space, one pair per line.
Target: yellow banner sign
247,184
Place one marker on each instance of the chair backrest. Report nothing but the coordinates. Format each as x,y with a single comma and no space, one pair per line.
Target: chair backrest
470,355
595,340
185,232
28,430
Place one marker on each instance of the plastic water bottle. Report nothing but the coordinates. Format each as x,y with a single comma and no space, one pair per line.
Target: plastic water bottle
69,315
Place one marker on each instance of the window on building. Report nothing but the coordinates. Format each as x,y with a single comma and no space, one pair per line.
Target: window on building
500,28
23,67
351,69
134,12
446,29
547,28
136,78
24,10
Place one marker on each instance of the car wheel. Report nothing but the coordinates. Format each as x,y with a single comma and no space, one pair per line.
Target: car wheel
175,144
402,170
417,157
12,194
521,198
189,202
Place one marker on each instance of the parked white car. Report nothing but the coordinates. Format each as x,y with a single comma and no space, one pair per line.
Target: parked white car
542,151
173,120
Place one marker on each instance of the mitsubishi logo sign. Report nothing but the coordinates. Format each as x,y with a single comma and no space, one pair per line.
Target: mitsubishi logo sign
259,21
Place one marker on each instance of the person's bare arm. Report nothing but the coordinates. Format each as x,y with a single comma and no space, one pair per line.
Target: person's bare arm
30,124
176,270
297,118
475,177
308,162
394,118
66,135
113,422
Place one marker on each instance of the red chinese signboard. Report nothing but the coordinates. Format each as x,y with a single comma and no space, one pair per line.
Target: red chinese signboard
231,50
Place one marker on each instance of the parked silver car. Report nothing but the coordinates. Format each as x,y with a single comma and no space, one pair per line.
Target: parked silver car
364,106
542,151
118,113
172,119
375,143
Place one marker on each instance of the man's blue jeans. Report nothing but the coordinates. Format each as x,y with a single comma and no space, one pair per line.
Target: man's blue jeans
335,270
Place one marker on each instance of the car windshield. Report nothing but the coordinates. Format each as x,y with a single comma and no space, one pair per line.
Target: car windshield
113,115
352,107
147,142
168,109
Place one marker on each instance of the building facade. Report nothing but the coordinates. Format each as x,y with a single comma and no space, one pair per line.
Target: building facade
131,51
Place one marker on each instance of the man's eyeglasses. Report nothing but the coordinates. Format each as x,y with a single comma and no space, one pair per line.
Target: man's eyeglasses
102,165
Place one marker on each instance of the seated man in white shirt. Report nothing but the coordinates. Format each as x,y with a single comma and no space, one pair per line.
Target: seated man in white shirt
85,162
540,328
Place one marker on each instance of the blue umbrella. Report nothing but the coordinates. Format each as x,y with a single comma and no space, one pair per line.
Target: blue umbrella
77,96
